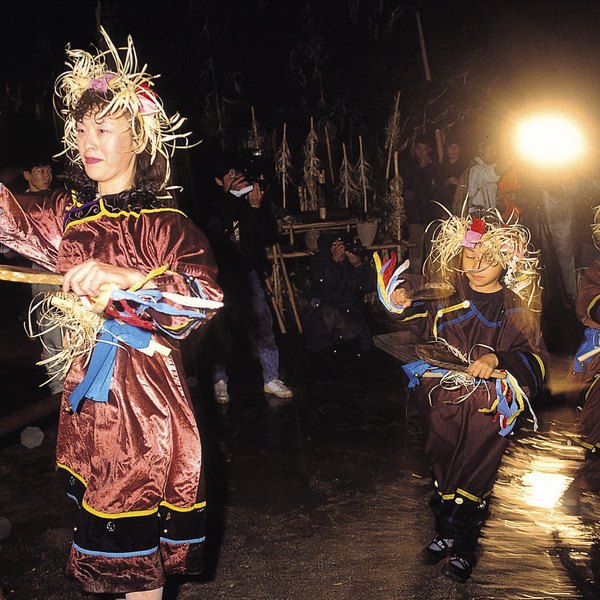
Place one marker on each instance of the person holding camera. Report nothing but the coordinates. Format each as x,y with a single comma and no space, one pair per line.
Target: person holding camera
240,225
340,276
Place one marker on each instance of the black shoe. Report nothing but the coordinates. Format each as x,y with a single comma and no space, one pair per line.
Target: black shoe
436,551
459,569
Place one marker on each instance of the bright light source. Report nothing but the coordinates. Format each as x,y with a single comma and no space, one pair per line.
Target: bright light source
550,140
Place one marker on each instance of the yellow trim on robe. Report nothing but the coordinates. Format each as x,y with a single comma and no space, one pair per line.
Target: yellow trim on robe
133,513
122,213
180,509
589,306
442,311
542,367
123,515
596,378
465,494
76,475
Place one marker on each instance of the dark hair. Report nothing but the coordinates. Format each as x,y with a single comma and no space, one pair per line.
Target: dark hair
149,175
36,161
424,140
228,161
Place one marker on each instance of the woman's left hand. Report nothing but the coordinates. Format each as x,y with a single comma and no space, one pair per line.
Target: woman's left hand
86,278
484,366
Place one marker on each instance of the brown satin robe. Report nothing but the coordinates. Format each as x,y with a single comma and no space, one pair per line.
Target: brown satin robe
133,463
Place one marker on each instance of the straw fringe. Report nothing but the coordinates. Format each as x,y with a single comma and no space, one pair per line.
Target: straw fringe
78,325
506,243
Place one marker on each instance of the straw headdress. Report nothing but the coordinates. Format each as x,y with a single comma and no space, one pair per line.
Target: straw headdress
114,74
596,226
504,243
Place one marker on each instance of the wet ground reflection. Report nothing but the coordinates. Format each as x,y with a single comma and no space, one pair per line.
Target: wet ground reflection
533,546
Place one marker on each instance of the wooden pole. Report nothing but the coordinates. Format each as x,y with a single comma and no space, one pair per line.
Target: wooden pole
28,414
423,48
396,175
438,134
289,287
439,144
346,199
271,294
363,178
391,148
284,174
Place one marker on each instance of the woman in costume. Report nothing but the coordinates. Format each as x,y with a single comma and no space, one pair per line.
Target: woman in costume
586,371
488,324
128,445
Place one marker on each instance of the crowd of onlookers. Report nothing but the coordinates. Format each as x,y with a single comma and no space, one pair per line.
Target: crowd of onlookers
237,214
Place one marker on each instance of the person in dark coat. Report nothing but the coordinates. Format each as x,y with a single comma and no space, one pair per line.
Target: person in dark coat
340,276
240,226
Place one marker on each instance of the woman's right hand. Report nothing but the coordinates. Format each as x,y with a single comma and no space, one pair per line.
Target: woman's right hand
400,297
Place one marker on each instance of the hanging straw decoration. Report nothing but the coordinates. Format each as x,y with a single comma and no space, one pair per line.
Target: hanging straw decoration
283,165
507,244
392,134
329,155
255,138
394,203
347,189
312,164
363,169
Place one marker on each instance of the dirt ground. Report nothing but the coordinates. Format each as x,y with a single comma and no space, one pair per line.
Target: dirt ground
323,498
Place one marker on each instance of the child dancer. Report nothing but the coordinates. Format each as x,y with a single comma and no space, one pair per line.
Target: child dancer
491,323
588,369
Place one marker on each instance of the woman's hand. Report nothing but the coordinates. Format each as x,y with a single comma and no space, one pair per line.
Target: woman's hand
483,366
87,278
400,297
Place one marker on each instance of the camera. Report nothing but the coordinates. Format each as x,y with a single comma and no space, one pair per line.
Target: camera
254,172
355,248
352,246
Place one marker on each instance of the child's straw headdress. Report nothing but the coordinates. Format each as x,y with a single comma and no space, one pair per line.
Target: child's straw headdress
507,244
596,226
114,74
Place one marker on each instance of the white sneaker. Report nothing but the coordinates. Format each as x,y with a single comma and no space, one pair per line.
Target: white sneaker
276,387
221,393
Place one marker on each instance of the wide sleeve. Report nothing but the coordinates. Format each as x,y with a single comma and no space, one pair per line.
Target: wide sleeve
521,351
178,260
32,225
588,297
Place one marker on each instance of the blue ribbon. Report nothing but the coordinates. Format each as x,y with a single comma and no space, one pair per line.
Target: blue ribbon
505,408
151,299
96,383
415,371
591,341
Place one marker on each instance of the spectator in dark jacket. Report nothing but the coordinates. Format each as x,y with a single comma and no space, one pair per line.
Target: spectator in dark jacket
340,276
240,225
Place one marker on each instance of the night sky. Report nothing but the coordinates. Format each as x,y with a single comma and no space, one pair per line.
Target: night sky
341,61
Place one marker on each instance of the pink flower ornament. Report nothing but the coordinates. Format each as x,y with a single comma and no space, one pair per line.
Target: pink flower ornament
100,84
471,239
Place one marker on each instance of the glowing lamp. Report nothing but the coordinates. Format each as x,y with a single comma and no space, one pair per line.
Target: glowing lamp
550,140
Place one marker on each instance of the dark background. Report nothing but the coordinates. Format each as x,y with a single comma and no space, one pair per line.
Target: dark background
340,61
